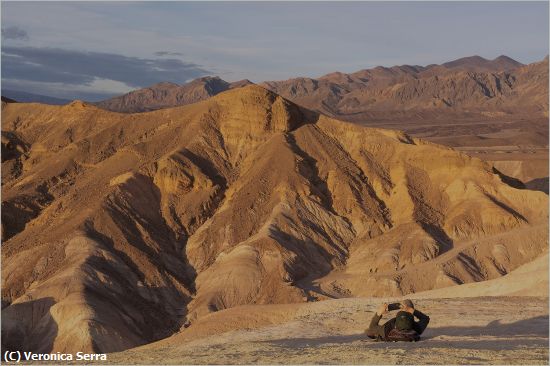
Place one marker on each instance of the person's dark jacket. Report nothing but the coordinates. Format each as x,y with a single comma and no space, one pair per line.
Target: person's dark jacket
382,332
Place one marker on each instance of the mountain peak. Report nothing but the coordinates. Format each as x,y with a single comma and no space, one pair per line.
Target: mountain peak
507,61
270,110
240,83
465,62
207,79
212,84
249,92
478,63
78,104
504,58
164,85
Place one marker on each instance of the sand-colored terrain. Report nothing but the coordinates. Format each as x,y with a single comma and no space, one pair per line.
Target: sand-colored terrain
466,327
462,331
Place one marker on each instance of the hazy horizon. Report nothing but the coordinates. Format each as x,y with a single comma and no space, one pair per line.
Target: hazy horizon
95,50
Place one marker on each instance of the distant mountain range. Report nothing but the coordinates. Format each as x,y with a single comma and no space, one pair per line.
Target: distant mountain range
467,84
21,96
471,83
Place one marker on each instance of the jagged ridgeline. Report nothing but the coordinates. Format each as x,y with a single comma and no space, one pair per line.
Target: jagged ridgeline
119,228
467,85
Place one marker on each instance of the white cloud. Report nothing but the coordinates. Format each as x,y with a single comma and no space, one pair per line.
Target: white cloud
102,85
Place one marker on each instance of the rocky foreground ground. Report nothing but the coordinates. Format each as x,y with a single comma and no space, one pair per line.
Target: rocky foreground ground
482,330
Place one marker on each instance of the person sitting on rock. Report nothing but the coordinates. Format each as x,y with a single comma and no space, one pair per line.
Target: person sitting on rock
401,328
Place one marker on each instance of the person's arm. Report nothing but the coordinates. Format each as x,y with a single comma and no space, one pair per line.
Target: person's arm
375,320
375,330
383,309
422,322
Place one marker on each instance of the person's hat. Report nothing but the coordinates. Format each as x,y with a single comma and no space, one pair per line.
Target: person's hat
404,320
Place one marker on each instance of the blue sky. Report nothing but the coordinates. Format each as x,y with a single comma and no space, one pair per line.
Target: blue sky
91,50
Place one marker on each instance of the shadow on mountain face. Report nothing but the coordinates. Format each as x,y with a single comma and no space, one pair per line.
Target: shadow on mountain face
513,182
16,334
538,184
